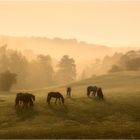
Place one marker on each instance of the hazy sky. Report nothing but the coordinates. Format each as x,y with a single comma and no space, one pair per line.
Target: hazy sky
113,23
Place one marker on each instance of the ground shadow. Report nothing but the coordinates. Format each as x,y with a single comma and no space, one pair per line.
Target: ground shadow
59,110
71,98
100,100
1,100
26,113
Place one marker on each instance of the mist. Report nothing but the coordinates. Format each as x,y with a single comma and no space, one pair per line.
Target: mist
43,62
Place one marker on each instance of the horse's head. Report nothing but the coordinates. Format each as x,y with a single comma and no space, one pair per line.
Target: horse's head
62,99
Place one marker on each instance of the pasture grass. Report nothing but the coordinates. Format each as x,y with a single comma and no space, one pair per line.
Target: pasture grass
118,116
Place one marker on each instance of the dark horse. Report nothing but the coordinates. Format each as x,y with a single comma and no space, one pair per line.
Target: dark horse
100,93
69,91
56,95
91,89
24,100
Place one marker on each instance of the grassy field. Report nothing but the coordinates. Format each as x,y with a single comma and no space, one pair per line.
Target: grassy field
118,116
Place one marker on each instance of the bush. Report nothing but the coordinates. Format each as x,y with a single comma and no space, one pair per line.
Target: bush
115,68
7,79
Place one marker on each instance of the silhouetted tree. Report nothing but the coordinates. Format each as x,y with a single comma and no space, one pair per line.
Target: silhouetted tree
66,70
7,79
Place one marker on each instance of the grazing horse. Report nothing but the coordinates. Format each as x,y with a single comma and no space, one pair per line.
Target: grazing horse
68,91
24,100
92,89
56,95
100,93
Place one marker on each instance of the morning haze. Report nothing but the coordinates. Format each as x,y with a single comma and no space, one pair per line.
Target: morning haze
112,23
69,66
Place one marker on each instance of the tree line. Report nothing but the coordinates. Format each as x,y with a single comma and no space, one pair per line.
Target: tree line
17,71
129,61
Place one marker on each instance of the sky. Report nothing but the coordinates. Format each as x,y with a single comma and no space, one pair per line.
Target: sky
112,23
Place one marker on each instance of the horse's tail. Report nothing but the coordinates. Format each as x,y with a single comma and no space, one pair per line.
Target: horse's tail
62,99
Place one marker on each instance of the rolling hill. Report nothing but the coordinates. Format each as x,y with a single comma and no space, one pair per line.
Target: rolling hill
57,47
81,117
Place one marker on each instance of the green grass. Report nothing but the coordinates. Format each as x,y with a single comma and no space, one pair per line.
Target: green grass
118,116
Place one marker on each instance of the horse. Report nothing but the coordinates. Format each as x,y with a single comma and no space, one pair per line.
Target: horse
56,95
24,100
92,89
68,91
100,93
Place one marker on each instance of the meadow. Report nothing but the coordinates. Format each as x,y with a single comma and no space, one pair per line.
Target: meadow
118,116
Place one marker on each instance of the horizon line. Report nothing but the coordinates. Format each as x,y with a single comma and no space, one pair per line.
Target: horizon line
76,39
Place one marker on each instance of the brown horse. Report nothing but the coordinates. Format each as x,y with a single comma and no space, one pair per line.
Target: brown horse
69,91
100,93
91,89
56,95
24,100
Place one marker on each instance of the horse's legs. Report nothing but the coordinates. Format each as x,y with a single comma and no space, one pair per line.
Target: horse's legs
48,101
69,93
31,104
55,100
26,105
16,102
59,101
88,93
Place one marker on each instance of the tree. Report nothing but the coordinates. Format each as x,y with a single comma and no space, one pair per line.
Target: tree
133,64
130,61
15,62
4,60
45,63
115,68
40,72
18,64
66,70
7,80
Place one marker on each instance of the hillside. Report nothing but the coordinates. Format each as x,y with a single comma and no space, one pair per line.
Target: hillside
57,47
81,117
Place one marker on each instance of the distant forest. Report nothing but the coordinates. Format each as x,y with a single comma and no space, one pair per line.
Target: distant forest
37,73
17,72
129,61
